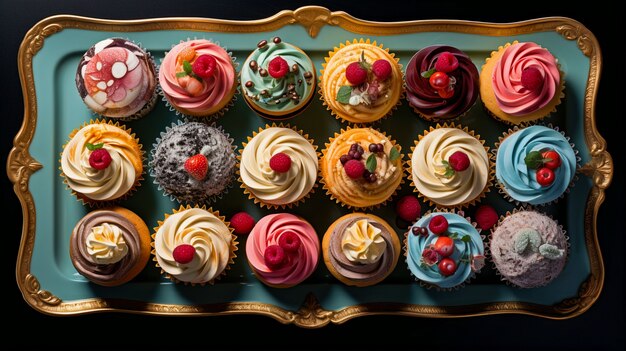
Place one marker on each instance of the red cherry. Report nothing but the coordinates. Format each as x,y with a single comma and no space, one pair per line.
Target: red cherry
439,80
447,266
554,157
444,246
184,253
438,224
289,241
446,92
274,256
545,176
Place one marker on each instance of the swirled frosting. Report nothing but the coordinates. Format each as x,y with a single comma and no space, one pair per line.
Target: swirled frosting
428,169
425,99
182,142
520,182
529,269
298,265
272,187
278,95
357,192
206,233
511,96
106,244
464,251
362,242
334,77
116,78
215,92
112,182
96,265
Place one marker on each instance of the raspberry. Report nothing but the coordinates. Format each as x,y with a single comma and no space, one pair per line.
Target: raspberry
459,161
100,159
356,74
446,62
278,67
289,241
532,79
438,224
197,166
486,217
274,256
381,69
204,66
354,169
184,253
408,208
242,222
280,162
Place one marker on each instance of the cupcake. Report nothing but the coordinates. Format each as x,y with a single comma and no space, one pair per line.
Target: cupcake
116,78
278,79
444,250
528,248
441,83
361,167
361,82
110,247
194,245
198,78
360,249
193,162
535,165
521,82
278,166
282,250
450,166
102,162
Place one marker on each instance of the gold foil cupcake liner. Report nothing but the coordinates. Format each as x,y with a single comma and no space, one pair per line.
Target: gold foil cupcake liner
320,85
83,199
233,244
341,202
433,286
502,189
490,178
249,192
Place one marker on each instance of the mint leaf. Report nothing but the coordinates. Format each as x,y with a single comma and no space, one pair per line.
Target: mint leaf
449,170
466,238
454,235
92,147
533,160
427,74
550,251
526,239
343,95
187,67
181,74
371,163
394,154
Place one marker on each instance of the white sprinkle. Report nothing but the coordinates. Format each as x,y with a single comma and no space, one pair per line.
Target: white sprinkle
119,69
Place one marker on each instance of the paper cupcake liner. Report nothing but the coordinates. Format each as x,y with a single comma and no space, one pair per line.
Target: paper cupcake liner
433,286
206,118
490,178
489,256
339,201
247,191
534,120
210,199
233,245
84,200
502,190
395,106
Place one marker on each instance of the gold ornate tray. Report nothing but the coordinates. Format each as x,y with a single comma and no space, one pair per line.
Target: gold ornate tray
50,51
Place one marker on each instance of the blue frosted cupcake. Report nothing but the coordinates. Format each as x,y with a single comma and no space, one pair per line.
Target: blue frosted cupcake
535,165
444,250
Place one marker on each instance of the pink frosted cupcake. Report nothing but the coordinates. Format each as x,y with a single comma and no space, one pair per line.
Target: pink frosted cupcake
198,78
282,250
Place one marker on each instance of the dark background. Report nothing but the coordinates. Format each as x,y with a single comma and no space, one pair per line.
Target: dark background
601,327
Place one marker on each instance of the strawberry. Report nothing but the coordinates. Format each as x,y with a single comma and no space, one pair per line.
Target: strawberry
242,222
197,166
356,74
532,79
381,69
278,67
280,162
408,208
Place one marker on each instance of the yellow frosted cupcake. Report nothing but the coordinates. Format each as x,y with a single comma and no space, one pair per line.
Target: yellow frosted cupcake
361,82
102,162
361,167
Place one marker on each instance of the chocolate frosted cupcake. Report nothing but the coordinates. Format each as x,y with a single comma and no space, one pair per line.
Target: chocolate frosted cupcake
441,83
360,249
193,162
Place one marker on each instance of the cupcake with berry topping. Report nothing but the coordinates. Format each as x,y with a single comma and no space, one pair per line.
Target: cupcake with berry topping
282,250
278,166
450,166
102,162
198,78
441,83
193,162
110,247
360,249
535,165
194,246
361,167
528,248
361,82
444,250
117,79
278,79
521,83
